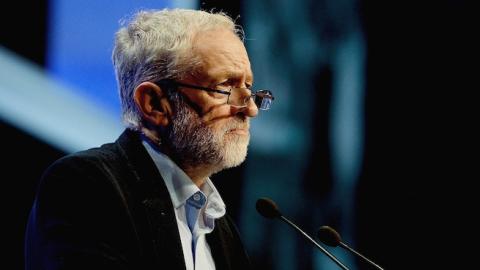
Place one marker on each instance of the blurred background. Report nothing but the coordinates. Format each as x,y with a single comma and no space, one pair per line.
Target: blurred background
368,132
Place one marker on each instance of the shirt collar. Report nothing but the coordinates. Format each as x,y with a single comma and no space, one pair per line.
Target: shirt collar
181,187
215,206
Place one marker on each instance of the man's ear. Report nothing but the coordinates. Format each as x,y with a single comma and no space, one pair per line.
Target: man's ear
152,102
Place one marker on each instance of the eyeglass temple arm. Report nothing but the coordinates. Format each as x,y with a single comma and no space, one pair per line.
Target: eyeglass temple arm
202,88
256,93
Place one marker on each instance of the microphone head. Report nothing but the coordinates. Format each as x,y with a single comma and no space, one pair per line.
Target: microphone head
329,236
267,208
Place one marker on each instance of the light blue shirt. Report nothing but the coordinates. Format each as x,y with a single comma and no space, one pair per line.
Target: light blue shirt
195,210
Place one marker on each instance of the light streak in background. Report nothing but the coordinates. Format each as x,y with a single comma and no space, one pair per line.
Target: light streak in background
33,102
73,105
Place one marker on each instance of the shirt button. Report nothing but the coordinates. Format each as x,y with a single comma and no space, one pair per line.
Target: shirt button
196,197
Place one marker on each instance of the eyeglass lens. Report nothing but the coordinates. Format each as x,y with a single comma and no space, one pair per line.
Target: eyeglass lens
263,98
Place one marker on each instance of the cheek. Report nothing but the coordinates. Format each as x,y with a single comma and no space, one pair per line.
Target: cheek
217,115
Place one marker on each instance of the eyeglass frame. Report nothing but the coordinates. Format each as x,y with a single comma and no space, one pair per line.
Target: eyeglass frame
228,93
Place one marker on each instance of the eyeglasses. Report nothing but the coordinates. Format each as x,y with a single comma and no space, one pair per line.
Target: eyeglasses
235,96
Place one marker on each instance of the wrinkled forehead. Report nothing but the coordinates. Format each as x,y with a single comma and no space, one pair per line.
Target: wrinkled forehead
221,52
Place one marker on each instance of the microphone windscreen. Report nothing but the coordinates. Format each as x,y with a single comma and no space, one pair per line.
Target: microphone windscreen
329,236
267,208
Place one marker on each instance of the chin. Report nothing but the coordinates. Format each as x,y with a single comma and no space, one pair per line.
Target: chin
235,151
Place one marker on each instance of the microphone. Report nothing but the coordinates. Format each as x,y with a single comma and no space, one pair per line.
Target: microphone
267,208
330,237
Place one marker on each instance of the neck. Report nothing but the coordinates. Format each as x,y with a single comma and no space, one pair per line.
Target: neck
198,174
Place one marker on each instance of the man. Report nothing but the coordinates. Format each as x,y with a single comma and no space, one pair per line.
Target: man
146,201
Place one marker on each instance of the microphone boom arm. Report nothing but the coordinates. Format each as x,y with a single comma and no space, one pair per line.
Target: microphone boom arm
315,243
343,245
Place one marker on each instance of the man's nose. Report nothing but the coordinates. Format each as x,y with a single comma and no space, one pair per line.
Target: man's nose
250,110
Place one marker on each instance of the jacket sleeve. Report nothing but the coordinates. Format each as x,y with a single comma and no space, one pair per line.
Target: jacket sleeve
79,220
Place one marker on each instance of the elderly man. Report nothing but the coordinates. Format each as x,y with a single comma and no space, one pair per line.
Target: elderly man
146,201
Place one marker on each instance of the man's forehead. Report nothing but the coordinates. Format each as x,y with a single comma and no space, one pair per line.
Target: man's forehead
217,41
220,53
225,72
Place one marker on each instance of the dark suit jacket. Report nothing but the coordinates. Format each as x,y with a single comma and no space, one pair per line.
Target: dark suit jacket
108,208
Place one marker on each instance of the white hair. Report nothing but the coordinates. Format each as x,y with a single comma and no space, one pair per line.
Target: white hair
156,45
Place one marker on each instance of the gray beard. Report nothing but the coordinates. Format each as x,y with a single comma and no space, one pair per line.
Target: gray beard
192,143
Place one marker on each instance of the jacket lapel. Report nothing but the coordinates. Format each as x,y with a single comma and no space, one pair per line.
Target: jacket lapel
149,189
219,245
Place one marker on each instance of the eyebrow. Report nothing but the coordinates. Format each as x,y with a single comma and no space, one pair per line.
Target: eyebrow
237,75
